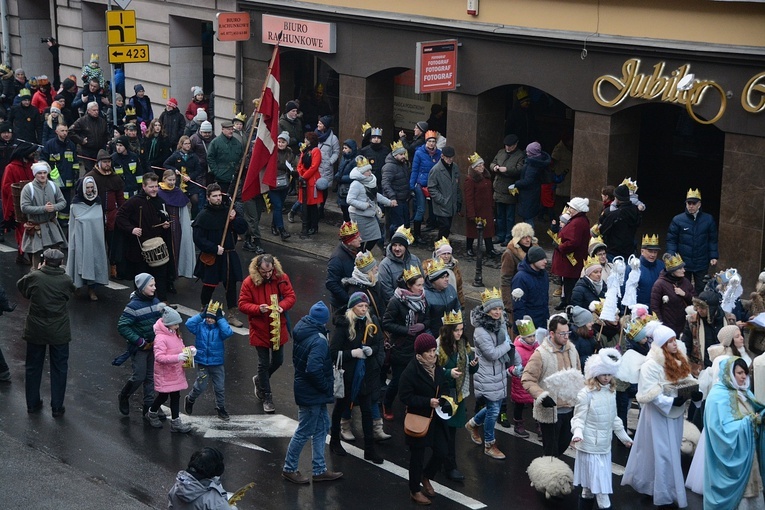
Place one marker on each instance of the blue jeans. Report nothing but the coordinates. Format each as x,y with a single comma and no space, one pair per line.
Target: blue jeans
205,374
505,222
269,362
313,424
59,366
419,203
398,216
488,418
277,198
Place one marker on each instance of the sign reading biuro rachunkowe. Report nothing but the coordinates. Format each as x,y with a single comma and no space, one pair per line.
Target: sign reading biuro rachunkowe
299,33
436,66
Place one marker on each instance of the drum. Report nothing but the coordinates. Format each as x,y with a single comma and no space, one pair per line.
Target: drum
16,188
155,252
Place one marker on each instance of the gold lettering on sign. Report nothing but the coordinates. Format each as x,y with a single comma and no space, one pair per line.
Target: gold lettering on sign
754,86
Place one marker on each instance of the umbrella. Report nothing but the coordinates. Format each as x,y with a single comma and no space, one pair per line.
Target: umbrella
361,366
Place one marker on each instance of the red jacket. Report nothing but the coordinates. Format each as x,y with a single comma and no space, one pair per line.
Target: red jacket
574,238
16,171
310,195
255,292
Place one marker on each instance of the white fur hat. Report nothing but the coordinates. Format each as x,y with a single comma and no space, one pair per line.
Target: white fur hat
605,362
661,335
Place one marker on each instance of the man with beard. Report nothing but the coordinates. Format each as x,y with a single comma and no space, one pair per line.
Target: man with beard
200,144
143,217
90,95
127,165
375,152
134,141
395,186
61,155
218,261
223,156
91,133
292,124
19,169
397,258
111,191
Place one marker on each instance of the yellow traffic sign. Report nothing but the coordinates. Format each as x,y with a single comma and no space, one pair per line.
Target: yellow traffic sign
128,53
120,27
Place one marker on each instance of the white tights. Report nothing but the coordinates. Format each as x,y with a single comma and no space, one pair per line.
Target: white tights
602,500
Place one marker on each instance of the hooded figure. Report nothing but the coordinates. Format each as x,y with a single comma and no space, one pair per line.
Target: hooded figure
87,263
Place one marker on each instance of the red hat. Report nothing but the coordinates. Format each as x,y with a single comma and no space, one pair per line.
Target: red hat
172,102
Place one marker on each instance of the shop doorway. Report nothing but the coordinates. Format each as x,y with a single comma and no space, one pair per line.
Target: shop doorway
190,41
34,27
314,82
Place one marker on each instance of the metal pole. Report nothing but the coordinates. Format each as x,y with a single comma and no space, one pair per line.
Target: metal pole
478,282
114,86
5,27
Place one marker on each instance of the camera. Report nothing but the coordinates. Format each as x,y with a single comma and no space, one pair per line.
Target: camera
45,40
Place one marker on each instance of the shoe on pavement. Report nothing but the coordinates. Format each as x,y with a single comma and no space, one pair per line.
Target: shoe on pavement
419,498
268,404
472,427
558,292
153,419
470,252
222,414
379,432
327,476
337,448
248,246
124,404
291,217
58,412
177,425
520,430
188,405
35,408
427,488
455,475
388,414
371,455
92,295
493,452
503,420
232,319
346,432
295,477
258,392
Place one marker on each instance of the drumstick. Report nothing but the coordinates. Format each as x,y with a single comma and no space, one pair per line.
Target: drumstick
158,225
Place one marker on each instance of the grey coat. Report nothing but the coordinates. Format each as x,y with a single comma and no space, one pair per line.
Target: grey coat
491,378
33,199
330,152
445,190
513,161
391,270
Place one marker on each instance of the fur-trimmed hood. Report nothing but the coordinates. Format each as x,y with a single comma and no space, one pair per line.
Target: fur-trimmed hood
255,275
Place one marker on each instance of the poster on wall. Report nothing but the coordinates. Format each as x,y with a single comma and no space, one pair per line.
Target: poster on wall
408,112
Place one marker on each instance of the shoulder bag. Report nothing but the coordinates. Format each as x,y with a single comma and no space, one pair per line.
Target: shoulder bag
416,425
337,372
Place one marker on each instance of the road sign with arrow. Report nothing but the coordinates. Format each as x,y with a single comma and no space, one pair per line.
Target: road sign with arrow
128,53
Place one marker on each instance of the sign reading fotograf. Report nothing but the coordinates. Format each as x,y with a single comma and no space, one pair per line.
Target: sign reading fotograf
299,33
436,68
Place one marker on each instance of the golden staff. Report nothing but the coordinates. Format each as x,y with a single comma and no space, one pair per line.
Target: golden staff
370,327
276,322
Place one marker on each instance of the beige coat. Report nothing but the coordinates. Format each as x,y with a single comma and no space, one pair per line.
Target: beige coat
546,361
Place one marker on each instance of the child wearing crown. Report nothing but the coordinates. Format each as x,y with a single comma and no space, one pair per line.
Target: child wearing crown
210,329
525,344
633,187
92,70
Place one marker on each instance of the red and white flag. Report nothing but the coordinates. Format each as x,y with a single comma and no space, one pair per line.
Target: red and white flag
261,172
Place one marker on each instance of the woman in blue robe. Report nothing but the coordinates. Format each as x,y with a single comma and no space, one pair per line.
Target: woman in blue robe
735,442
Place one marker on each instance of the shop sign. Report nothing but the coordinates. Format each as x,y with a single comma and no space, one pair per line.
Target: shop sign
233,26
407,112
299,33
753,96
436,67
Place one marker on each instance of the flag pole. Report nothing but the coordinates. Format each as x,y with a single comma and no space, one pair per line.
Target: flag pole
249,138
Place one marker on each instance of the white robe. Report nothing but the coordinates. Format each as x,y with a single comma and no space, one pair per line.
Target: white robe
87,262
187,255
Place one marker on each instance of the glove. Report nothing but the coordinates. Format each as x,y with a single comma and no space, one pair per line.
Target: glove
679,401
416,329
182,357
193,350
697,396
367,350
141,343
358,353
548,401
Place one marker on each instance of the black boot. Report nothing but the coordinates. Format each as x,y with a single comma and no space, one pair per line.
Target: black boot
123,399
417,231
371,455
283,232
335,446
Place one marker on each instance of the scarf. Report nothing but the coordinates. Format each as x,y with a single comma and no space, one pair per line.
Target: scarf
173,197
597,285
430,368
415,304
362,279
323,136
153,149
431,153
479,319
461,350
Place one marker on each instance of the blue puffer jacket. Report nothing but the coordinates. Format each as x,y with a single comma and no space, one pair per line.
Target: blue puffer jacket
313,366
536,287
530,186
695,239
421,166
209,339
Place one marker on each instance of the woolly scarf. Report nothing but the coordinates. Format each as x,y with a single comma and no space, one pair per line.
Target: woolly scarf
323,136
415,303
359,277
430,368
597,285
479,319
462,350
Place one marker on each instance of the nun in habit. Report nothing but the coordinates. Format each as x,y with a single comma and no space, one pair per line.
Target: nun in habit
87,264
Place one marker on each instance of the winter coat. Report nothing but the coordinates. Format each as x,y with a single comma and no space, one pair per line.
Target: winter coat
595,420
445,190
154,152
396,323
449,384
188,163
343,174
148,212
649,273
341,342
95,129
295,130
27,123
478,204
511,259
422,163
517,392
34,196
208,339
223,157
143,110
491,378
208,231
42,100
200,147
536,293
313,364
585,347
545,361
411,147
360,199
329,146
574,238
136,324
584,293
111,190
255,292
618,229
530,185
439,303
63,155
695,239
168,370
194,105
671,313
415,389
188,493
391,269
174,124
16,171
395,179
308,194
376,154
48,291
377,305
129,167
514,162
340,265
49,127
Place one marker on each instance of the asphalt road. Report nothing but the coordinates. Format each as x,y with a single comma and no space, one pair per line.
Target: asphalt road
95,458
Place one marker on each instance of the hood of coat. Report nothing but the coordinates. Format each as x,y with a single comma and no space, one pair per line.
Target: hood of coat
540,161
255,275
306,328
404,261
161,329
366,180
351,143
189,489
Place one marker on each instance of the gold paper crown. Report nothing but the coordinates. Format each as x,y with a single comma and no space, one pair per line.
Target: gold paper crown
212,308
474,159
406,233
129,111
240,117
652,240
451,318
94,57
434,266
349,228
636,326
693,193
412,272
361,161
594,241
672,262
596,307
632,185
525,327
489,294
364,259
431,134
441,242
591,261
397,145
302,146
364,127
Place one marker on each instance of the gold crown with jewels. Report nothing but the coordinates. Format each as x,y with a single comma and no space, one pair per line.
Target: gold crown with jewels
364,127
474,159
632,185
489,294
412,272
364,259
452,318
636,326
672,262
349,228
441,242
693,193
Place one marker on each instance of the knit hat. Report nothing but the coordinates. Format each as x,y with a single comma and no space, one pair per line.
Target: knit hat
510,140
403,236
284,136
356,298
142,280
206,127
726,334
596,243
123,140
319,312
6,127
422,125
535,254
291,105
40,166
326,120
67,84
170,317
102,155
200,116
581,316
442,246
448,151
661,335
605,362
533,150
424,342
491,298
138,88
55,107
365,261
172,102
580,204
196,90
622,193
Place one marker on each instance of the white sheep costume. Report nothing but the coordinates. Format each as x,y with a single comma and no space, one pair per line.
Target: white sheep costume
551,476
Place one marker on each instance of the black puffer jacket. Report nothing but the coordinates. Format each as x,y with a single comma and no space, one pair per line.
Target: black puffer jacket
396,323
584,293
341,342
395,179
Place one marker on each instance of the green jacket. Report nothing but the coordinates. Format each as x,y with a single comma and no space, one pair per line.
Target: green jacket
223,157
48,291
449,384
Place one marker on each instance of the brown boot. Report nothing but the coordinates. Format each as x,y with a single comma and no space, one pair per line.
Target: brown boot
492,451
427,488
419,498
233,319
472,427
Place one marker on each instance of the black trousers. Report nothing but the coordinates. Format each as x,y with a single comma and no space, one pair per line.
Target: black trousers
557,436
417,467
343,404
444,224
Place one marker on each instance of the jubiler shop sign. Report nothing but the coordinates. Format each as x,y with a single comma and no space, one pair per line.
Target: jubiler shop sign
610,91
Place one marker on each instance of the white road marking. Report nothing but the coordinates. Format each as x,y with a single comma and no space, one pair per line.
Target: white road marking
116,286
4,248
185,310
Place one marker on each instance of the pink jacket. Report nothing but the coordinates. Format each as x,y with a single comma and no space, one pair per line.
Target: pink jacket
517,392
168,371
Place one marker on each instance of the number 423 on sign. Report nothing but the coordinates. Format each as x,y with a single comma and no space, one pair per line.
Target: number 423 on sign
128,53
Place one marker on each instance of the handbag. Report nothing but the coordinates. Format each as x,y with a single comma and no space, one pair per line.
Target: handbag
416,425
337,372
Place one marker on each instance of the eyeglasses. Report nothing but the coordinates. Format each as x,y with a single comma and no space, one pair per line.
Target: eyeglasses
563,333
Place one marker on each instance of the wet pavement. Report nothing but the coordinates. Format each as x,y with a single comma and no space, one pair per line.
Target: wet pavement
93,457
